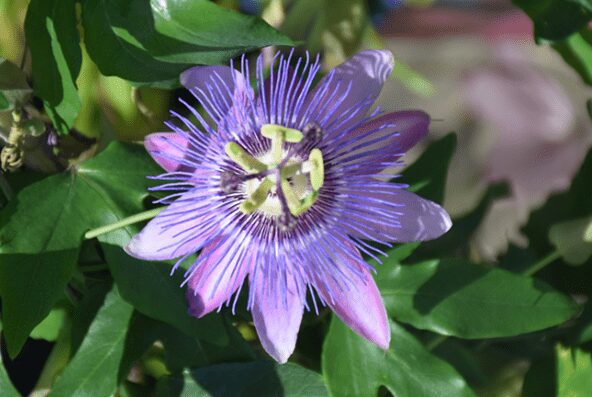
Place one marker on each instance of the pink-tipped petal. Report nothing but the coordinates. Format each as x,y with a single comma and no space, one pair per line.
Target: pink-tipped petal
178,230
277,321
380,142
167,149
356,83
217,277
358,304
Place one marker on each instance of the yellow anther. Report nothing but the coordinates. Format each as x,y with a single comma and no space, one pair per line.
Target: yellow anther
317,169
257,198
244,159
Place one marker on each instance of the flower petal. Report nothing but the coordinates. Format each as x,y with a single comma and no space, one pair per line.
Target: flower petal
389,213
167,149
344,96
380,142
277,320
178,230
359,304
217,277
217,88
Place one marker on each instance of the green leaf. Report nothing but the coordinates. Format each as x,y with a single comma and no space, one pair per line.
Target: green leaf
6,386
574,373
49,328
352,366
160,296
453,297
93,370
173,35
427,176
576,50
52,36
259,378
59,209
568,238
43,279
556,19
14,89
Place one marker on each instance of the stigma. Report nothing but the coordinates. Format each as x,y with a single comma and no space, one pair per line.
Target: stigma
281,183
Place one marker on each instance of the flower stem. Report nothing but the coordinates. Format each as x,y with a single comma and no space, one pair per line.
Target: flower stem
547,260
142,216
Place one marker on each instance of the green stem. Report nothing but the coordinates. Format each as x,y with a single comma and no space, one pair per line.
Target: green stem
142,216
547,260
435,342
57,360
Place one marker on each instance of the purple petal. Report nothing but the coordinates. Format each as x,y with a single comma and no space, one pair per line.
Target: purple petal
389,213
359,304
215,279
217,88
344,96
167,149
178,230
380,142
277,320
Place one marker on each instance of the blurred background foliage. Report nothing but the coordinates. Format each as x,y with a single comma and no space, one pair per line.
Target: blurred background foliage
500,306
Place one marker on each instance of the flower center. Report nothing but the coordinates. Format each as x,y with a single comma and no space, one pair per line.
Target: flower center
279,183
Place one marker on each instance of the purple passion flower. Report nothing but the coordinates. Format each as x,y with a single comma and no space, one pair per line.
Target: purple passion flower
286,189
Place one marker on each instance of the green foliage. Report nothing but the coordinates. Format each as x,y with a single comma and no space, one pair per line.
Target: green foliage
44,278
93,370
59,209
569,239
152,42
6,385
454,297
53,38
352,366
258,378
574,372
576,50
556,19
14,89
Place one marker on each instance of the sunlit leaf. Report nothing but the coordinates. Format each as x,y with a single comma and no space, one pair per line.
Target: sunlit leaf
152,42
353,367
454,297
52,37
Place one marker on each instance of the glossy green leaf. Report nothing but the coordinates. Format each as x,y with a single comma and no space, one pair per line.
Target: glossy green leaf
172,35
6,386
556,19
255,379
574,373
576,50
354,367
453,297
568,238
160,295
93,370
427,175
59,209
52,36
43,279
